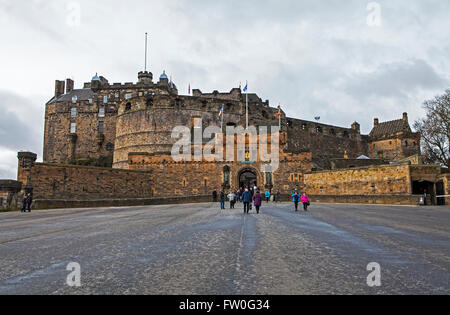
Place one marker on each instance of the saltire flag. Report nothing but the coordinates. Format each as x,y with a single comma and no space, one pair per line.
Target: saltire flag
221,113
246,87
189,89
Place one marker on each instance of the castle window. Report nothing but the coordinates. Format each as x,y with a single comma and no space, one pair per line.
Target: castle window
150,101
226,176
345,134
265,115
319,129
406,143
127,96
333,132
304,126
73,128
101,112
74,99
91,101
101,127
128,107
73,112
268,178
105,99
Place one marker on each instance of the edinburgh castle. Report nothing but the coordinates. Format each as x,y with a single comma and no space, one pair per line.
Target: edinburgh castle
111,144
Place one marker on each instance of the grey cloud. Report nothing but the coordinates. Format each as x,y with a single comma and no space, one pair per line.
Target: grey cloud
20,131
395,80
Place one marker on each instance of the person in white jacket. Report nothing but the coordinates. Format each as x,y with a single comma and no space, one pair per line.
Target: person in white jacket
232,198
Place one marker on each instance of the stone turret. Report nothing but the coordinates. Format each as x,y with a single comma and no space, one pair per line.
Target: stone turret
145,77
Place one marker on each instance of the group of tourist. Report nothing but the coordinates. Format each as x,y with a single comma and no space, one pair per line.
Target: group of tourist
253,196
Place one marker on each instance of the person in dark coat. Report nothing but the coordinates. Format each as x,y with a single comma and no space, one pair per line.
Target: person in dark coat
29,201
247,199
278,198
257,200
222,200
24,203
214,194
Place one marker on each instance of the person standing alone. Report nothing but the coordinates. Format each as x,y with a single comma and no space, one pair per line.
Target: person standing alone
267,195
222,200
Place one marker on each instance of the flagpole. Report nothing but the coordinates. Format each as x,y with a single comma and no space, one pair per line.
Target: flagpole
223,115
246,107
146,51
279,115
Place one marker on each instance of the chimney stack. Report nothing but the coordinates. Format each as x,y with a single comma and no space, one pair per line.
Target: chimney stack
376,122
405,117
59,88
69,85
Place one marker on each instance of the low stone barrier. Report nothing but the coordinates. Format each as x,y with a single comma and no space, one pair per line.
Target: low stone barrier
41,204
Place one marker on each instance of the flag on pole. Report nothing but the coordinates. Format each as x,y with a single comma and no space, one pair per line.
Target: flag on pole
221,113
246,87
278,114
189,89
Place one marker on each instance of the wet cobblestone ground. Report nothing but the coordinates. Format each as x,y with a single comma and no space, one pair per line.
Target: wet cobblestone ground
198,249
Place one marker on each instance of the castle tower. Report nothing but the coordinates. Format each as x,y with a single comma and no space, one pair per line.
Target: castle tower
26,163
145,77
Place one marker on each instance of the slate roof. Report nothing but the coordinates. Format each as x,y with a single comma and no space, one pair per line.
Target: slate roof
82,94
390,128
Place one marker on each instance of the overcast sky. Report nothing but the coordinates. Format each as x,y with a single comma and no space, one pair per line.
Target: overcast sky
317,58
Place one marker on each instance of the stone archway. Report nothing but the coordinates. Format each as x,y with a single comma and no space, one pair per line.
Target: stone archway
247,177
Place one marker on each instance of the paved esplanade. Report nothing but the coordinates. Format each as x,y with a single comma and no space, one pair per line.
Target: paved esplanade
196,249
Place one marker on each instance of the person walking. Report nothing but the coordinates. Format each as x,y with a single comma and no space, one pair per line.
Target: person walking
296,200
278,197
222,200
24,203
246,199
29,201
231,196
305,201
257,200
267,195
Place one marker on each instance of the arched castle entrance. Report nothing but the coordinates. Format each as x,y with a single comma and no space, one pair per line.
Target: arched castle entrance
248,177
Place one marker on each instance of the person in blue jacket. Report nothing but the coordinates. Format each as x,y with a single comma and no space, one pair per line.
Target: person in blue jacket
247,199
267,195
296,199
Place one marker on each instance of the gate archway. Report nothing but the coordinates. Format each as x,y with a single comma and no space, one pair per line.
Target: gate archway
248,177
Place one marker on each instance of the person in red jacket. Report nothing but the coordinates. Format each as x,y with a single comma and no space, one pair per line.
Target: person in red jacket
257,200
305,201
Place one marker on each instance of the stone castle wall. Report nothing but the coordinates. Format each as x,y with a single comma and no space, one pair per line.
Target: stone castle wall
376,180
56,182
394,149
